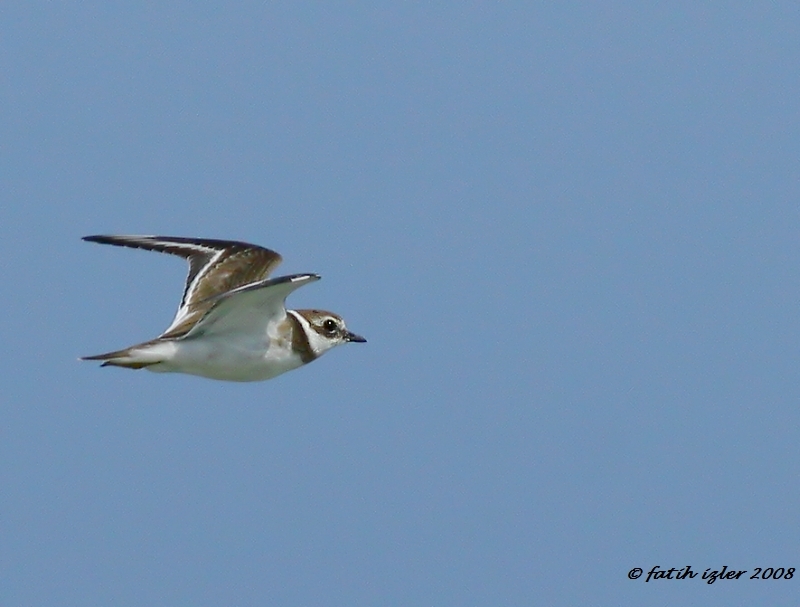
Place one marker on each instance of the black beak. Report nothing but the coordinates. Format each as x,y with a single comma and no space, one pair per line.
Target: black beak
354,337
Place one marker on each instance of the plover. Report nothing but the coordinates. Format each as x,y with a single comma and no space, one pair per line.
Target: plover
232,323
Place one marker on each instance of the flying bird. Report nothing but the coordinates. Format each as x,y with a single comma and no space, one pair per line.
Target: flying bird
232,323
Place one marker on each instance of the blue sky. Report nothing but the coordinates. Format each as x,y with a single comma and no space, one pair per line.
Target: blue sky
569,232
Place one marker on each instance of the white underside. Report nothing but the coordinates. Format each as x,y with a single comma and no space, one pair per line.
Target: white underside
248,359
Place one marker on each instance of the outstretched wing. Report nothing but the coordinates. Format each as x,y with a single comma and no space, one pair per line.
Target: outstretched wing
250,309
215,267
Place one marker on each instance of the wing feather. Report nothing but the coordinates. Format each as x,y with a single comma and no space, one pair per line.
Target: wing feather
216,267
251,308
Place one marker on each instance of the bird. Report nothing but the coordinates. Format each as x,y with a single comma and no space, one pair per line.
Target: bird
232,323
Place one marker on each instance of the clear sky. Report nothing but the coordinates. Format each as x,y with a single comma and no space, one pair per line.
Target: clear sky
569,231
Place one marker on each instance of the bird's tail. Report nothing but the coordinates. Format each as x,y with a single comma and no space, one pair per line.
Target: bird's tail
136,357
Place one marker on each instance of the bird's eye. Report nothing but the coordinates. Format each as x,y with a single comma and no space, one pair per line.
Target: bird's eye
329,325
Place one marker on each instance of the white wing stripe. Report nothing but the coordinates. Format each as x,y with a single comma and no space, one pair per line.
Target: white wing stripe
193,287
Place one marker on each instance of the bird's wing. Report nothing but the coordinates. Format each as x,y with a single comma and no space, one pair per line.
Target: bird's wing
249,310
216,267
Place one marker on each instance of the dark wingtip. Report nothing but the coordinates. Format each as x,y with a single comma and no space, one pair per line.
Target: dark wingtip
99,238
291,278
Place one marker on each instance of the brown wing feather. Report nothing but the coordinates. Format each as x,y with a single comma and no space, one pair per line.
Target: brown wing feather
235,269
215,267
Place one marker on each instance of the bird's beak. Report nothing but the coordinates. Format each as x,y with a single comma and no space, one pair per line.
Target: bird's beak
354,337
